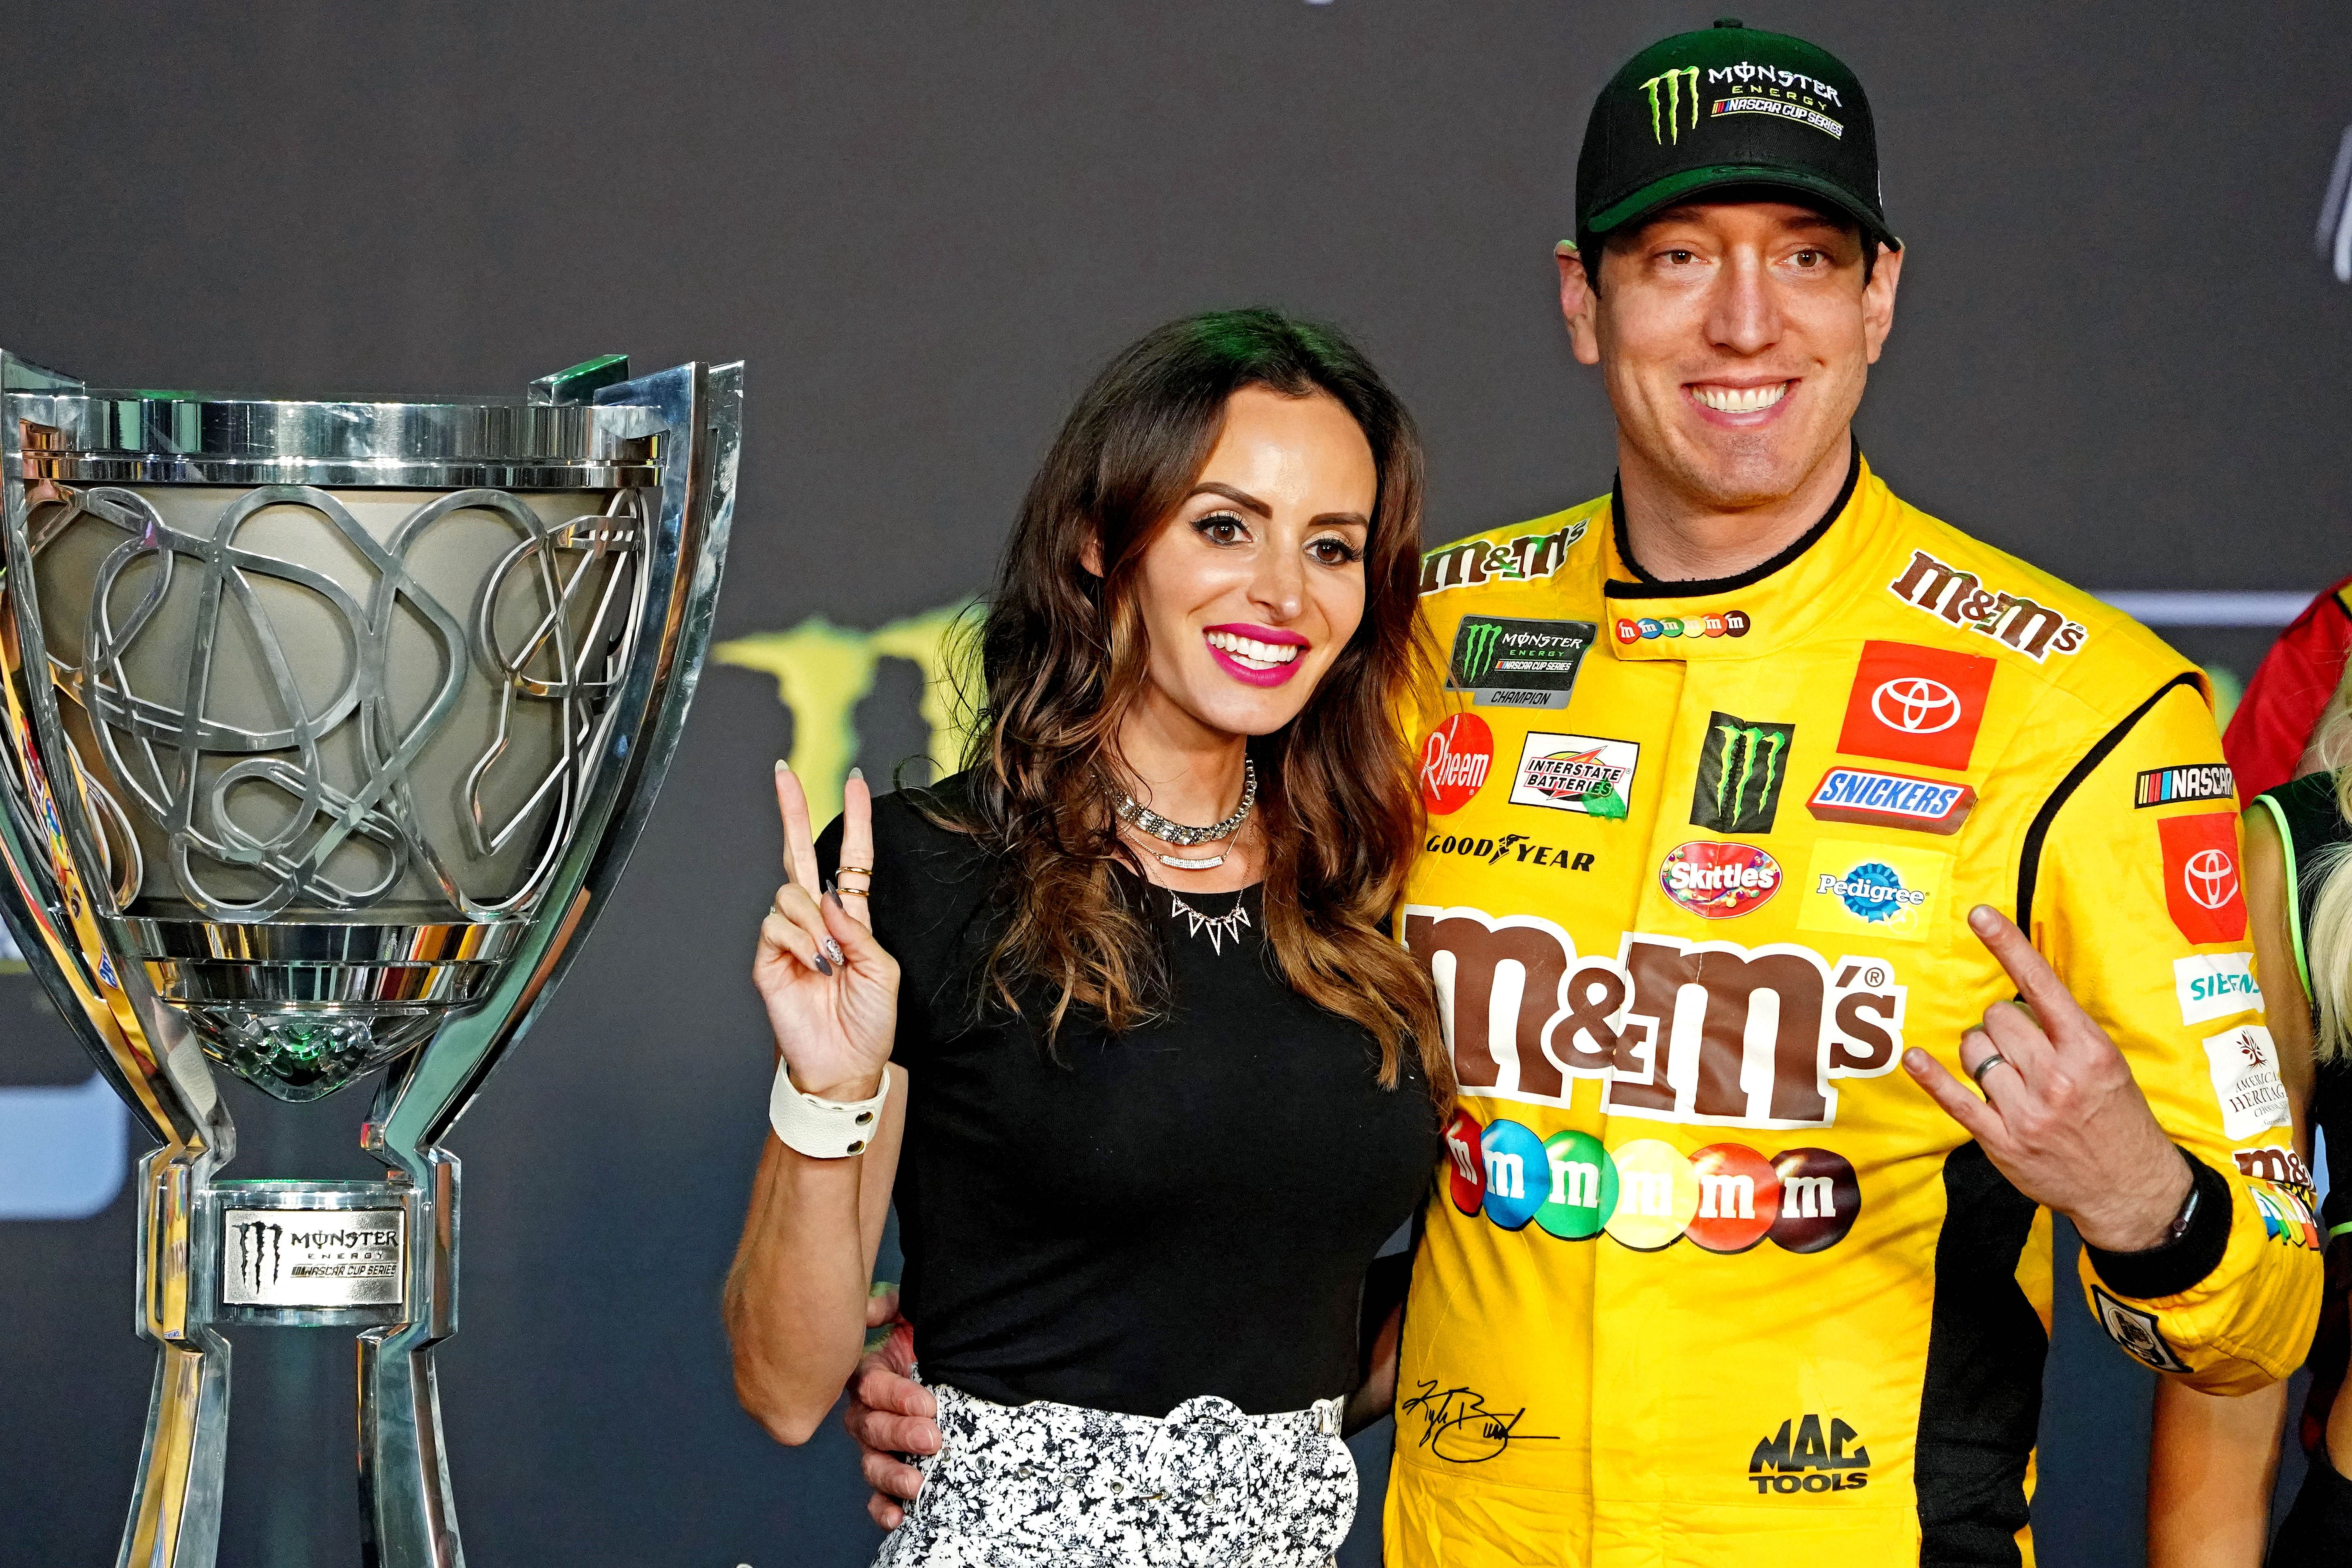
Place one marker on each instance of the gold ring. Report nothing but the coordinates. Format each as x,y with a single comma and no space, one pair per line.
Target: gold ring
851,892
857,870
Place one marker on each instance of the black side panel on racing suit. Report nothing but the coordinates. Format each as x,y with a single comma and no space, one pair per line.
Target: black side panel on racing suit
1980,1404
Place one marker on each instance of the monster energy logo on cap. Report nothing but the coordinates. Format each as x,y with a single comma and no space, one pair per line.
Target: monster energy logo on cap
1675,93
1517,663
1742,765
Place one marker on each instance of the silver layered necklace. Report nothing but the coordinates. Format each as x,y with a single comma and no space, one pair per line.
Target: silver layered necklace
1150,824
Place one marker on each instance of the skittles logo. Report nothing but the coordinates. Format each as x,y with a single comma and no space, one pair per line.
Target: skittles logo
1716,881
1646,1194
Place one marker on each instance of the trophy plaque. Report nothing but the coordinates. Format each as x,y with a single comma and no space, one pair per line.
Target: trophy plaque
325,732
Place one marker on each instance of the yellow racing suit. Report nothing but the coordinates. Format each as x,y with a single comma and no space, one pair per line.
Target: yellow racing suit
1705,1279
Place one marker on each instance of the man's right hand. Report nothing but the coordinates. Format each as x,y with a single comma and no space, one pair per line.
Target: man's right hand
889,1413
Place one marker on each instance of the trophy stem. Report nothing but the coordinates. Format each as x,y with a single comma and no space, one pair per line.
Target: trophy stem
408,1514
176,1503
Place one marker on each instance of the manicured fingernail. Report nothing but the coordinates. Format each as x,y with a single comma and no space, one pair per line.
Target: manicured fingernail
857,773
834,895
833,951
822,966
782,766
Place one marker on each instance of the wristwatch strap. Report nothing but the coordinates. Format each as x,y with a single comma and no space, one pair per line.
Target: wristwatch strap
822,1129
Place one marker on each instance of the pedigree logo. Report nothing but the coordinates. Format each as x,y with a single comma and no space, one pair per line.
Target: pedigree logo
1646,1194
2037,631
1675,1030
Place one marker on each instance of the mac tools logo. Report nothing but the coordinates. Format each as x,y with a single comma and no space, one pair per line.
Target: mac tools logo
1913,704
1799,1459
1742,764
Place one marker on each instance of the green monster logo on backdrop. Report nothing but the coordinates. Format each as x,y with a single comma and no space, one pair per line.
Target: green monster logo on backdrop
824,671
1740,775
1674,92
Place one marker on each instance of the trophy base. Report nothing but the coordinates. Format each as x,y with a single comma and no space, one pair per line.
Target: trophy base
375,1256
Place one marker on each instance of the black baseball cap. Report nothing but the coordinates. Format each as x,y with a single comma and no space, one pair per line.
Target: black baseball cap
1728,106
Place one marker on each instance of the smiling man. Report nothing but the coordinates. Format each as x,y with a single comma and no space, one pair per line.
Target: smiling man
1741,770
1729,1265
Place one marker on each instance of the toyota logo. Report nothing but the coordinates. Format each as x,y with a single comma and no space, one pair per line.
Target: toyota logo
1916,705
2211,877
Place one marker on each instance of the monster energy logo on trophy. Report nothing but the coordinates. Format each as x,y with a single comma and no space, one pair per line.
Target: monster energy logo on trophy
1741,767
1675,93
1517,663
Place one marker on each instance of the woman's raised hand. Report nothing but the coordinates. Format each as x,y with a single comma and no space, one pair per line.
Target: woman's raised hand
831,992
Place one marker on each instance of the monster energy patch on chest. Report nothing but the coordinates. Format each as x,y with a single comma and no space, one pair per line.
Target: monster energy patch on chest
312,1257
1742,764
1517,663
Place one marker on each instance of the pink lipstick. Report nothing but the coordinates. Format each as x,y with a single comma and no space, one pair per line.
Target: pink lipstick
1253,654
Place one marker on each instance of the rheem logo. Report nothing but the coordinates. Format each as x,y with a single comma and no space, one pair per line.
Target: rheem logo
1645,1193
1455,759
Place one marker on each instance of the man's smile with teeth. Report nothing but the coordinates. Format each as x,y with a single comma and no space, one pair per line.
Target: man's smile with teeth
1252,652
1739,399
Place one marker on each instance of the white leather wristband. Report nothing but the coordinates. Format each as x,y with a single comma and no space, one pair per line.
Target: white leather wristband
822,1129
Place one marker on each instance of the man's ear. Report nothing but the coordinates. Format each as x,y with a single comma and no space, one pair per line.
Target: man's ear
1577,302
1878,299
1090,554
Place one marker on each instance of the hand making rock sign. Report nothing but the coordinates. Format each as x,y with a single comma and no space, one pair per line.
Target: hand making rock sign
2061,1116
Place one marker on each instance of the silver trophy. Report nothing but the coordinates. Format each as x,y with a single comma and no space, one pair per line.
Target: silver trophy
329,729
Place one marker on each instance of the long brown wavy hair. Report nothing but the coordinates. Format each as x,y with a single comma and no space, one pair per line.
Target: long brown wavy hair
1062,654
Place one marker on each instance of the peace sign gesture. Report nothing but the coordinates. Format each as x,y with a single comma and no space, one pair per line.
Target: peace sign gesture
2061,1116
831,993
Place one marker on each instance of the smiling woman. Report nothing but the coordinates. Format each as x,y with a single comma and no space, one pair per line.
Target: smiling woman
1116,981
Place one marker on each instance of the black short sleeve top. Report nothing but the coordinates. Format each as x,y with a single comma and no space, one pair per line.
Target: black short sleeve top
1187,1208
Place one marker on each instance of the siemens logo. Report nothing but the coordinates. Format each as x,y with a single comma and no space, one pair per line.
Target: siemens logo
2211,986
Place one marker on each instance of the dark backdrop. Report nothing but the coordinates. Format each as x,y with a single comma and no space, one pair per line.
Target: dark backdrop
923,225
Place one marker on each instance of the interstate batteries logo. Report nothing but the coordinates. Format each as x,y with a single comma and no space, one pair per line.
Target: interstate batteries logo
1647,1195
1718,881
1583,773
1742,764
1805,1456
1517,663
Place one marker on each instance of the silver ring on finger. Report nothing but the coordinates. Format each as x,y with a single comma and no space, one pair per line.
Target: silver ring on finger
1994,1060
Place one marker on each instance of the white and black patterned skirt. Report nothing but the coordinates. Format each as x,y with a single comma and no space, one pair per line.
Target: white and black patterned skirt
1027,1484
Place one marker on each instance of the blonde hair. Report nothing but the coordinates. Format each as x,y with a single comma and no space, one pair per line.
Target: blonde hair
2328,936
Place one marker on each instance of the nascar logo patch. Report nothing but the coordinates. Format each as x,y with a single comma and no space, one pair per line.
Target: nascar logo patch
1891,800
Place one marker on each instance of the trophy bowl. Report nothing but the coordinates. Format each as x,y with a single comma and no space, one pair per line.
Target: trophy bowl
325,732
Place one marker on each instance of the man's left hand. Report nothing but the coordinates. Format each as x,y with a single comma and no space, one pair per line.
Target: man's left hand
2061,1116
